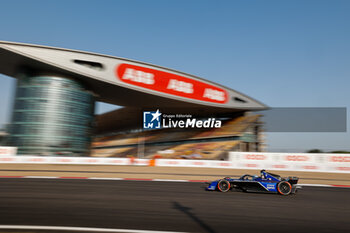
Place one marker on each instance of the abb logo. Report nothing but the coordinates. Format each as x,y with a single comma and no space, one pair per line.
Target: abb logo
7,159
214,94
170,83
310,167
37,160
279,166
65,160
340,158
138,76
343,168
117,161
224,164
180,86
92,161
173,162
7,150
198,163
255,157
296,158
4,151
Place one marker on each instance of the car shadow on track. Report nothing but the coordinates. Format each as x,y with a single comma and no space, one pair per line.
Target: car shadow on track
187,211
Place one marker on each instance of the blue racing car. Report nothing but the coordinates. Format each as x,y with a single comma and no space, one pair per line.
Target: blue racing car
266,182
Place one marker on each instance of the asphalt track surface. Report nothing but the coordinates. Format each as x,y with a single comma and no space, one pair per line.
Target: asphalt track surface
169,206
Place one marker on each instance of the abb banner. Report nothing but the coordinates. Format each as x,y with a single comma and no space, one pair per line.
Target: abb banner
339,163
8,151
170,83
73,160
193,163
291,161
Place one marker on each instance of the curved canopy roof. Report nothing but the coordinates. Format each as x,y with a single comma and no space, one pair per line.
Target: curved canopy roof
124,82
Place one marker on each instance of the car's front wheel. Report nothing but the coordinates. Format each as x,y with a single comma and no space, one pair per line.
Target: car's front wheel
284,188
224,186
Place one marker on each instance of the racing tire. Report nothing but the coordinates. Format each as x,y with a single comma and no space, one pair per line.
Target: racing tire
224,186
284,188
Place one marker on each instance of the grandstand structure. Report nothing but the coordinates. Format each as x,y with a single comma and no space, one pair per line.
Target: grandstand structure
53,112
241,132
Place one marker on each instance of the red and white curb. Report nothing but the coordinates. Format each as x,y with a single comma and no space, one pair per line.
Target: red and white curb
101,178
80,229
140,179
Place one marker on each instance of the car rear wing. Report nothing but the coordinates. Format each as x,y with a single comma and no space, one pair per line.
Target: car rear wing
292,180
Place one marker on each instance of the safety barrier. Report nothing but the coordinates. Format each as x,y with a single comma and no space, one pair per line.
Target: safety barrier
8,150
291,161
237,160
73,160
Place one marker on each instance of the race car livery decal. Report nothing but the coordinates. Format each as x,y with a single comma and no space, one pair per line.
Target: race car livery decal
269,186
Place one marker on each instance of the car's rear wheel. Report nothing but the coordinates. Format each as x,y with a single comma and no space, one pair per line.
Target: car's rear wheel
284,188
224,186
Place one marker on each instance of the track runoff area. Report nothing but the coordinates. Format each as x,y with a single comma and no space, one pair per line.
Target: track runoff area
125,199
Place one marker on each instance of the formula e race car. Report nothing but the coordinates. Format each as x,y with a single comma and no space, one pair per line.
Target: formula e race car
266,182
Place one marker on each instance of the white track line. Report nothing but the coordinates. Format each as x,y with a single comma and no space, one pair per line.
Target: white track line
165,180
85,229
103,178
43,177
317,185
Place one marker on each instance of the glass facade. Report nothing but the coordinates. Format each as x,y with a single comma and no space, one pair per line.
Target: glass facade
52,116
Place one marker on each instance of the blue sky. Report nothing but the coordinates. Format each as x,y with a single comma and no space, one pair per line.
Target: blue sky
283,53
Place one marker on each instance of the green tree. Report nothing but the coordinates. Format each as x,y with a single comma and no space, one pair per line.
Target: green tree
314,151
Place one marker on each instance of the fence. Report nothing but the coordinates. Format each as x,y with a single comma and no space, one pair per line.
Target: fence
237,160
